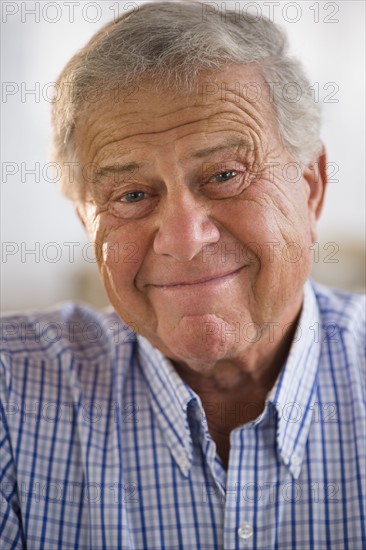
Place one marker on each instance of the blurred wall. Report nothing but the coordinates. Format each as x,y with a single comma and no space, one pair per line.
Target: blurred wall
45,253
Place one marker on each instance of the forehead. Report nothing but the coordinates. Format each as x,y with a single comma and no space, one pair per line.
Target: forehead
233,101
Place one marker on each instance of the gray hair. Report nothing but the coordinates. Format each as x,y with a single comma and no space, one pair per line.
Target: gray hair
170,44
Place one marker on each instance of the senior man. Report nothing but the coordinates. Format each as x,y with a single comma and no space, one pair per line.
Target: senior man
233,415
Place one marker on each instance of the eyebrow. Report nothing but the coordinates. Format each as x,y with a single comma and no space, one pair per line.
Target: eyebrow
230,144
202,153
118,168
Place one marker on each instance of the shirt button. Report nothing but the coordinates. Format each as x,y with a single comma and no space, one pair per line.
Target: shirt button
295,460
245,531
183,462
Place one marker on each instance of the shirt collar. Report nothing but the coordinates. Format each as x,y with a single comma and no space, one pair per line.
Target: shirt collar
293,394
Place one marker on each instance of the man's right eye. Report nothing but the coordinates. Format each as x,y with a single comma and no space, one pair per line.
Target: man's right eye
134,196
133,204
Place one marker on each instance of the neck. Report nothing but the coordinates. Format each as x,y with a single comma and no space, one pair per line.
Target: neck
255,370
233,392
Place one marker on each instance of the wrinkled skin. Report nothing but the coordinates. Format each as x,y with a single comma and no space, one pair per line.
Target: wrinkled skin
177,217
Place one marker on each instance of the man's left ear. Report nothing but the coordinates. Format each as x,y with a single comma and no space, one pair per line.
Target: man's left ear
315,174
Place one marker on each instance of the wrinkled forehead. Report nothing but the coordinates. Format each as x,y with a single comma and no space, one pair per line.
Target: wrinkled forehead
236,99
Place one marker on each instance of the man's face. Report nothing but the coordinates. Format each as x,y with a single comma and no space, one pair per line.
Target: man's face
201,226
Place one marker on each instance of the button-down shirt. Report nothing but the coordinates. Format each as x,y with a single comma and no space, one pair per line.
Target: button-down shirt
104,446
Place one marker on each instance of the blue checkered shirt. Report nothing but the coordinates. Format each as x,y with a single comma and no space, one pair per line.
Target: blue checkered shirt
103,446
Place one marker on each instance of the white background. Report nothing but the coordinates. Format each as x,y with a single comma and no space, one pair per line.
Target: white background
35,51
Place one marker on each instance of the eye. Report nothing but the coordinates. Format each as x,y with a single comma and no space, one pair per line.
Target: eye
134,196
224,176
226,181
133,204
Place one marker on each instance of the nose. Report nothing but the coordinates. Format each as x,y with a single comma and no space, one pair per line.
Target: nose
184,227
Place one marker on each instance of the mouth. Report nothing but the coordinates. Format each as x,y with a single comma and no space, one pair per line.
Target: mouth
203,281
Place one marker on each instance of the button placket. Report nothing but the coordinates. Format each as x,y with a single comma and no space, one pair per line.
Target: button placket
238,510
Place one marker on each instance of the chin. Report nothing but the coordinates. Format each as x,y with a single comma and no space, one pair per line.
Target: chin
199,341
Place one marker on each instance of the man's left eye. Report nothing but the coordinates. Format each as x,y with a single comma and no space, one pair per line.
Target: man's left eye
224,176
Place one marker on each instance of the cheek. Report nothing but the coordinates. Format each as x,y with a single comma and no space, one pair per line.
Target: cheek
270,232
121,255
251,221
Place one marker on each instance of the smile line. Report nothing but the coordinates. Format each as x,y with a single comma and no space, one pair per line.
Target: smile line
201,281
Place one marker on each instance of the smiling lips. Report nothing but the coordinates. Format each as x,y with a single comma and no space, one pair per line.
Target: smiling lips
205,280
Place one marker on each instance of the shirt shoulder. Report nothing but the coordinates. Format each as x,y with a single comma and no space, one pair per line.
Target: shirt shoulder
87,334
56,354
346,309
343,320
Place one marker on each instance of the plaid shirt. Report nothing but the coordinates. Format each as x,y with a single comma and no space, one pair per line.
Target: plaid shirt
103,446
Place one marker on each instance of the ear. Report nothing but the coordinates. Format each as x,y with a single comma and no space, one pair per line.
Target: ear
315,174
80,215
